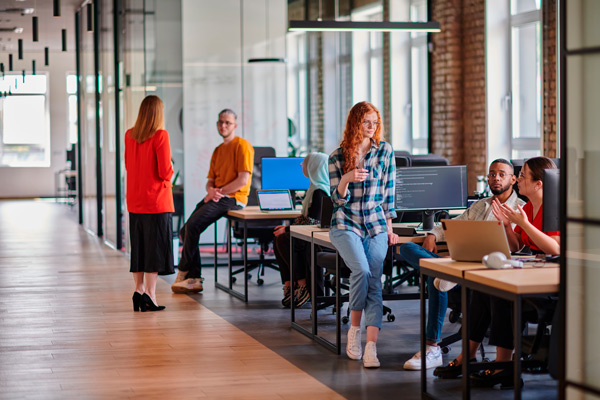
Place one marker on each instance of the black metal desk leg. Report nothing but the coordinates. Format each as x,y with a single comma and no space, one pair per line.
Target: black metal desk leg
230,260
423,328
465,342
292,279
518,347
245,261
313,287
338,324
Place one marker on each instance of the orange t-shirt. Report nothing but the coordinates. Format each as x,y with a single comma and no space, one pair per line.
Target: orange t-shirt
227,161
149,172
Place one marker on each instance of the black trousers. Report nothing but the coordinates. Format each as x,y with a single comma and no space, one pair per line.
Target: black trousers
203,216
497,314
281,248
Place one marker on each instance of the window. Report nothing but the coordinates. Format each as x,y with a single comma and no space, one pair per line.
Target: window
72,110
514,78
24,122
409,81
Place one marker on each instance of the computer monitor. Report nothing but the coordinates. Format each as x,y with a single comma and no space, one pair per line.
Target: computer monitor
428,189
283,173
551,200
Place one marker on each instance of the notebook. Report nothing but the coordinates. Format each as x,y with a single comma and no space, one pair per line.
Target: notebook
471,240
275,200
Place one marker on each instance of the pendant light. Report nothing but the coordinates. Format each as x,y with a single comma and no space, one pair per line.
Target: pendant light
90,19
34,28
56,8
32,67
46,56
20,50
64,40
10,62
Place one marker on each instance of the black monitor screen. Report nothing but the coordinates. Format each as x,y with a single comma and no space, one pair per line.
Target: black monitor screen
283,173
431,188
551,180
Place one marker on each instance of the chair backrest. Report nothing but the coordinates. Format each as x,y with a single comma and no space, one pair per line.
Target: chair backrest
428,160
259,153
402,161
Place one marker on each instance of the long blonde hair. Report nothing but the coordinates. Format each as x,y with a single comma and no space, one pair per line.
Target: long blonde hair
150,119
353,133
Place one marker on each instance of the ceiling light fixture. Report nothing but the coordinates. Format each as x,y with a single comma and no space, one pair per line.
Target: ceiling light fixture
350,26
34,26
22,11
46,56
56,8
16,29
20,49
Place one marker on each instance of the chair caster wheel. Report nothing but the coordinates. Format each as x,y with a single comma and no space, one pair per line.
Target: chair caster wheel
249,276
446,349
344,320
233,279
260,282
391,317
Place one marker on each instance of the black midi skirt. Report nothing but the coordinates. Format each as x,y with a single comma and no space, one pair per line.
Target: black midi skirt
151,243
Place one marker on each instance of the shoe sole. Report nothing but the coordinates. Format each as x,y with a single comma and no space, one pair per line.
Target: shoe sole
372,364
180,290
353,357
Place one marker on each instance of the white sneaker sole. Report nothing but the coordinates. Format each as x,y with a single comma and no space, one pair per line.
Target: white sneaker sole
371,364
353,356
412,367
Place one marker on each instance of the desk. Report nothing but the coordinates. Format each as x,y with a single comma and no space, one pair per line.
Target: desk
320,237
509,284
251,213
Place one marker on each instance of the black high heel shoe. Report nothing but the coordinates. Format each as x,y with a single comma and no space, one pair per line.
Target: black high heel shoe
137,299
148,305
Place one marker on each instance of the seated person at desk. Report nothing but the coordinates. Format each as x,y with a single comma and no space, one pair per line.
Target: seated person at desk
496,313
500,180
362,174
315,169
228,187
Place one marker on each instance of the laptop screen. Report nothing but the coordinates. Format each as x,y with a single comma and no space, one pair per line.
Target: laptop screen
275,200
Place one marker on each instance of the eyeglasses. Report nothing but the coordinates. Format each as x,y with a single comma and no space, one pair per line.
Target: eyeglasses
371,123
226,123
502,175
522,175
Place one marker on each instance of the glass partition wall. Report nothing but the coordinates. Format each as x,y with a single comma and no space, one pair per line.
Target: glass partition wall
118,66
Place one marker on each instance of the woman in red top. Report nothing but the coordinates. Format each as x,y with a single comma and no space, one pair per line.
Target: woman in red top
149,202
528,219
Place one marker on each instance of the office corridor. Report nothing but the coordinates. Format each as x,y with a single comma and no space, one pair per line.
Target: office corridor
68,330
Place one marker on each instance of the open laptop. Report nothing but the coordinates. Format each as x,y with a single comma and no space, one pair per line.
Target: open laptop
471,240
279,200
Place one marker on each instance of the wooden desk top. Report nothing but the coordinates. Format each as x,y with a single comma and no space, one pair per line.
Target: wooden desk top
519,281
323,237
305,232
450,267
253,212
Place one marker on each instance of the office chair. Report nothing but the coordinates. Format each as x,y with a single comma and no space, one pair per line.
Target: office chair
261,233
428,160
179,210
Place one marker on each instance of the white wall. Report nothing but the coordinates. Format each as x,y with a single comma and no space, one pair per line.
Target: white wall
34,182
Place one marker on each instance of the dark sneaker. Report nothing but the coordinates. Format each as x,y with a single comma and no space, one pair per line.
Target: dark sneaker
301,296
287,296
490,378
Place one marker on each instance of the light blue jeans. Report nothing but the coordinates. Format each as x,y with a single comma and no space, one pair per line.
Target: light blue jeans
438,301
364,257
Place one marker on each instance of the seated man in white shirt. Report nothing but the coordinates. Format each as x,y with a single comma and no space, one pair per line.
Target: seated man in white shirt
500,180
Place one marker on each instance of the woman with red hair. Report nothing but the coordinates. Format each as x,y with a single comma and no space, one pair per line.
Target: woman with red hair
362,173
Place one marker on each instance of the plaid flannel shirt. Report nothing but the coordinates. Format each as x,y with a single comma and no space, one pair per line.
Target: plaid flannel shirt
367,205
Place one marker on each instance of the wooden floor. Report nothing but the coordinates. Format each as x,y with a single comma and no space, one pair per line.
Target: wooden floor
68,329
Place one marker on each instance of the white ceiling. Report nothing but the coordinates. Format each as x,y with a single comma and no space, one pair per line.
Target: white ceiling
50,27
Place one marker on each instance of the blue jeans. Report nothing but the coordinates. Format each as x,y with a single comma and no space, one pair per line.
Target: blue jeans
364,257
438,301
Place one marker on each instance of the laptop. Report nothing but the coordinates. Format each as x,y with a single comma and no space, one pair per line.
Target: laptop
326,212
471,240
279,200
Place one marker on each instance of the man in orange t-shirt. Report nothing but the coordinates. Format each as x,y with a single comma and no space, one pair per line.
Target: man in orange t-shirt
228,187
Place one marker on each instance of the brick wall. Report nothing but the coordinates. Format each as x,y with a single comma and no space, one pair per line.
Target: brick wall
549,77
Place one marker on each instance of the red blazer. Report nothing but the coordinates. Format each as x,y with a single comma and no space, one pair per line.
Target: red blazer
149,172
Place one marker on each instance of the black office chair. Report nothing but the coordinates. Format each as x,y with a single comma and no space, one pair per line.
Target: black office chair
428,160
179,210
259,232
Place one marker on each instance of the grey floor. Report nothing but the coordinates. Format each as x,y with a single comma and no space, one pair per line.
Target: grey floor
264,319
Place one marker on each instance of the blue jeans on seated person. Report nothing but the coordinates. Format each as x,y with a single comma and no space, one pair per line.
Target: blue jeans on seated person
438,301
364,257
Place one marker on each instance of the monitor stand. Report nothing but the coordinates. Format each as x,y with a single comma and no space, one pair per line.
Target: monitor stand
428,220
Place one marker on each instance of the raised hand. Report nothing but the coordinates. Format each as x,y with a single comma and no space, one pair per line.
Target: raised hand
356,175
279,230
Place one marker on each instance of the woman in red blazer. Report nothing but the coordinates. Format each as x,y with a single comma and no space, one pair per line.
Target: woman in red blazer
149,202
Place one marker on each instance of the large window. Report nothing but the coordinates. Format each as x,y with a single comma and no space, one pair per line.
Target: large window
514,78
24,122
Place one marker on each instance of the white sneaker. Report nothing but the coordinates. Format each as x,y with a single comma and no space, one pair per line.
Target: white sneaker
433,358
180,276
370,359
353,347
191,285
442,285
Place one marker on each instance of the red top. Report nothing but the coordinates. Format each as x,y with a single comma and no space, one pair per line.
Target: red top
149,172
537,222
